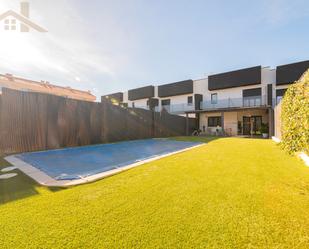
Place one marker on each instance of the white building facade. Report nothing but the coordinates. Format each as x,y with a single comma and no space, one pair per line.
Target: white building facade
233,103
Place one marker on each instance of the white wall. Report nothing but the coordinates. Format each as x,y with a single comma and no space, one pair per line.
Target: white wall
125,97
138,103
230,123
200,86
269,77
179,99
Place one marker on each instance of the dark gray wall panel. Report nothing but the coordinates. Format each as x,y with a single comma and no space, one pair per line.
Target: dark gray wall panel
117,96
177,88
252,92
243,77
287,74
269,94
141,93
198,98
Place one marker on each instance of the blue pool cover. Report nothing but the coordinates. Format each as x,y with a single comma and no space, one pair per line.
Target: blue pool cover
74,163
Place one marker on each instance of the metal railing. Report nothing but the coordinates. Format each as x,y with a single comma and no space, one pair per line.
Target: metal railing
254,101
157,109
178,108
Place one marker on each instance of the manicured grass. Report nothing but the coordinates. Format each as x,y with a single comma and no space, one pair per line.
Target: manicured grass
229,193
202,139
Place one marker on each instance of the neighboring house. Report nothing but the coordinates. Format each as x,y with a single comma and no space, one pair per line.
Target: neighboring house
235,103
14,21
16,83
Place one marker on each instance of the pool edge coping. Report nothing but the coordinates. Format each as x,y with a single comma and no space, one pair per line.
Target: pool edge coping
45,180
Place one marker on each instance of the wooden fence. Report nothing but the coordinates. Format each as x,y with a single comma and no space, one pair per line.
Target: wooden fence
36,121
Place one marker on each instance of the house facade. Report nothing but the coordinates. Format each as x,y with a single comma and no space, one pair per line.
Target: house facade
238,102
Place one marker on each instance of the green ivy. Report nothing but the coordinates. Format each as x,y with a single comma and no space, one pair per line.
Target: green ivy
295,116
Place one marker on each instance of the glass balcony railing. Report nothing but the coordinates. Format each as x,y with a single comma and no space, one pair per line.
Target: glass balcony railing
178,108
254,101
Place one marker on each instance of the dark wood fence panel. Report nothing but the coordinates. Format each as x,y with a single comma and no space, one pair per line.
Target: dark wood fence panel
35,121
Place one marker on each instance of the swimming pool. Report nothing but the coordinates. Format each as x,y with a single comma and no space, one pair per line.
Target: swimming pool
80,163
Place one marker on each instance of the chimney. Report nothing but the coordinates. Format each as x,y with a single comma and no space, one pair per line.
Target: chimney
24,11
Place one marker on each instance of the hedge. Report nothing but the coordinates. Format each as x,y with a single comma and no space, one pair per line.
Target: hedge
295,116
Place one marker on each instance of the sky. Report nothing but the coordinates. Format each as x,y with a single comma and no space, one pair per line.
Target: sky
116,45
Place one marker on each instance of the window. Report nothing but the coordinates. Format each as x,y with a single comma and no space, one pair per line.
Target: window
252,101
214,98
280,94
165,102
190,100
133,104
10,24
214,121
279,98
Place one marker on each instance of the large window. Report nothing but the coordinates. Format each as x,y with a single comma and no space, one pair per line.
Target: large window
214,121
278,99
165,102
214,98
279,95
252,101
190,100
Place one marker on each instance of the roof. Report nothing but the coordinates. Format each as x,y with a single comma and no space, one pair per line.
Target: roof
22,19
17,83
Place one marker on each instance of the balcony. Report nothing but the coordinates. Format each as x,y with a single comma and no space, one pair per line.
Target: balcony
173,109
254,101
178,108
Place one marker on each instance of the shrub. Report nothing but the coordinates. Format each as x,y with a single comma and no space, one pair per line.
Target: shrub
264,128
295,116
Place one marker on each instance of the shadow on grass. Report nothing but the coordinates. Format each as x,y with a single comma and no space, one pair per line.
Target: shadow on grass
18,187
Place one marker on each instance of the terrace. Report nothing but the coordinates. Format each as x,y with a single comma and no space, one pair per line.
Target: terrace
245,102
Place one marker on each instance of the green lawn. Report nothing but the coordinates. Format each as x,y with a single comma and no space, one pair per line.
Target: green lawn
229,193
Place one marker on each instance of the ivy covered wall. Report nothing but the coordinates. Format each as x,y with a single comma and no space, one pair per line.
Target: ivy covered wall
295,116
